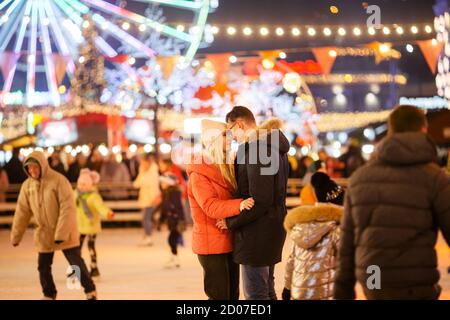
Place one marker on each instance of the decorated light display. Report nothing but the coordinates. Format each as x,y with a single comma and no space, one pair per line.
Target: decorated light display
41,38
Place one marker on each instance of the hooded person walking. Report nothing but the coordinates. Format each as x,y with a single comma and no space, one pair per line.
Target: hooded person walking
314,230
47,196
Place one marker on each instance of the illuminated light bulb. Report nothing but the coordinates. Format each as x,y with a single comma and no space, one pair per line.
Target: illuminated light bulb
357,31
232,59
409,48
62,89
311,32
231,31
85,24
132,61
342,32
125,26
143,27
414,29
215,29
332,53
295,32
386,31
399,30
384,48
371,31
327,32
282,55
279,32
180,28
428,29
334,10
247,31
264,31
81,59
268,64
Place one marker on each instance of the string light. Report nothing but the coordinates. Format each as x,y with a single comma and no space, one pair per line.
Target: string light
143,27
125,26
428,29
295,32
282,55
215,29
311,32
371,31
180,28
342,32
409,48
357,31
231,31
247,31
279,31
332,53
327,32
264,31
399,30
386,31
232,59
414,30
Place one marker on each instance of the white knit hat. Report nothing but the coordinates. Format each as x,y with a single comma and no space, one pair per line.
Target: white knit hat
211,130
91,177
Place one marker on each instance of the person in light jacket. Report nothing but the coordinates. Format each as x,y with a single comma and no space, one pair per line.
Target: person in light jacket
90,211
47,196
149,194
314,230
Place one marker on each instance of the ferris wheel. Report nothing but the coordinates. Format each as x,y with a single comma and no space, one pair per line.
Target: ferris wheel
40,39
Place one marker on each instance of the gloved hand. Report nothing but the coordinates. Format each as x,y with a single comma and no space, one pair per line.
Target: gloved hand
286,295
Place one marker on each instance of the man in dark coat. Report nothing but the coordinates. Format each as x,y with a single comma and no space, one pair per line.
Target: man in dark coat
394,207
14,169
258,233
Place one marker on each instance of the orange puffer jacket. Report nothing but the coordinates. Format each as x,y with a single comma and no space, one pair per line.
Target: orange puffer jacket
210,199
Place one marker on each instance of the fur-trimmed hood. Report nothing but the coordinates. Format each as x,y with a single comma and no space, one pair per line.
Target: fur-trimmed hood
320,212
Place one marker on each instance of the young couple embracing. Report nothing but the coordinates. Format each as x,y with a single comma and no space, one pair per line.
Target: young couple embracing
238,205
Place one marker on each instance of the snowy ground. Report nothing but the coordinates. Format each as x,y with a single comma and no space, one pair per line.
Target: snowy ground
128,271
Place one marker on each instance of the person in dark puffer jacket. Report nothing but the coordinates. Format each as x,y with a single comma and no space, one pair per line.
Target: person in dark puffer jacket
394,207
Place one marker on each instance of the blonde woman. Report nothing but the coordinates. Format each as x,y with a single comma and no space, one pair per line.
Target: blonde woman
210,190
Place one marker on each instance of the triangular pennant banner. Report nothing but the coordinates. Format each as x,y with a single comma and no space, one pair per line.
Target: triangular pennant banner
431,50
325,57
221,64
167,64
8,60
60,63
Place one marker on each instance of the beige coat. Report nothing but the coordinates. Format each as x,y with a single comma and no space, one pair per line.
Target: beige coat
310,269
50,202
148,184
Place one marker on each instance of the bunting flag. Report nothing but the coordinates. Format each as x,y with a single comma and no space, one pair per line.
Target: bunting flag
431,51
7,61
250,67
325,57
167,64
271,55
60,63
221,64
